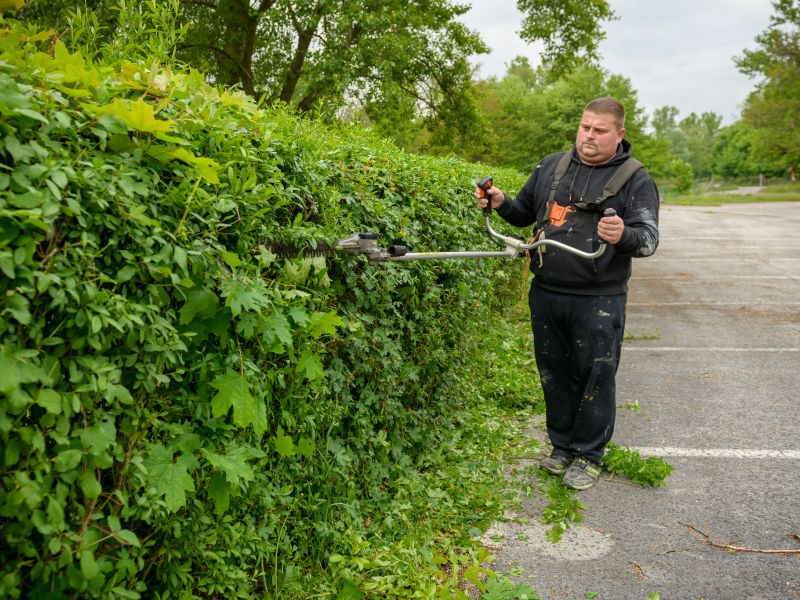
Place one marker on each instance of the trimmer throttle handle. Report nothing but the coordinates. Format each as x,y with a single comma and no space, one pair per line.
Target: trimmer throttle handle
484,185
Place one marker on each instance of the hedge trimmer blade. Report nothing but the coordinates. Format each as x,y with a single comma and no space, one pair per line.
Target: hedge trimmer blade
366,244
302,250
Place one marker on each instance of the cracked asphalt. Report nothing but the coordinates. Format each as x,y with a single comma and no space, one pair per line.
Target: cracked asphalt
713,359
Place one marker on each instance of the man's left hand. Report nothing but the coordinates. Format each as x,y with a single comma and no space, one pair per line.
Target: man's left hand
610,229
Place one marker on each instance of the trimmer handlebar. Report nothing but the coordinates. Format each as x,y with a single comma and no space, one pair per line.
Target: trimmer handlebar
367,243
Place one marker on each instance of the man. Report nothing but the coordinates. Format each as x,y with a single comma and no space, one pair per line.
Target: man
578,304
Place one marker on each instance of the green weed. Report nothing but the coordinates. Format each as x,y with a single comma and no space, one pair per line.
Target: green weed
563,507
652,471
640,336
632,406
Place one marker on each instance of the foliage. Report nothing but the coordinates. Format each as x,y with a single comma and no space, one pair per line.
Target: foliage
563,507
651,471
182,412
570,30
691,140
500,589
792,194
735,155
535,113
773,108
400,66
681,175
700,133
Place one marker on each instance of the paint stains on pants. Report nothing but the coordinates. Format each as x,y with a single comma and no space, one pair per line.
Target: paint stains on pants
577,341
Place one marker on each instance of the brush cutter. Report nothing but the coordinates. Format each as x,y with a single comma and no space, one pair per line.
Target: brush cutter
366,244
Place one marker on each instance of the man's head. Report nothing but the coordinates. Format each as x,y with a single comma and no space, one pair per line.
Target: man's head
601,130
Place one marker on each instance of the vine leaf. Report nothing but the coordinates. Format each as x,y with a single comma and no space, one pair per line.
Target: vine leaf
16,372
200,304
324,323
277,333
233,464
11,5
310,366
284,444
137,115
240,297
168,477
89,566
234,392
305,447
220,493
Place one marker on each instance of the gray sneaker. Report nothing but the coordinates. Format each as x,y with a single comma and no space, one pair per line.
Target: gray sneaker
557,464
582,474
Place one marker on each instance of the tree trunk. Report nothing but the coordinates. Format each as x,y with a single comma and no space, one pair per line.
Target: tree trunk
241,29
304,37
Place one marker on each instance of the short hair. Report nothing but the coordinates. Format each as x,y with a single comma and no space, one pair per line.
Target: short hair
608,106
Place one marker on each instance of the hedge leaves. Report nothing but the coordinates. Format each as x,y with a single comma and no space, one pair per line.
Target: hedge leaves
183,412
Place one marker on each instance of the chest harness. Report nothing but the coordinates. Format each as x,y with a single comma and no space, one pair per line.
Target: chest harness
557,214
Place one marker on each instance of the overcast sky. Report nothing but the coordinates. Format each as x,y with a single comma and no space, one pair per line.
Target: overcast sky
678,53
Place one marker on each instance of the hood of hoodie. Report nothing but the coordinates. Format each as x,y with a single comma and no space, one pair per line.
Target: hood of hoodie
624,150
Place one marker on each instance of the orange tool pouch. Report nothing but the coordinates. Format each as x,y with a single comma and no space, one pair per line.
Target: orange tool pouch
557,214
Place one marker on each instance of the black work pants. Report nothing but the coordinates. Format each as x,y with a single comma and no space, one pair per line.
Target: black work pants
577,341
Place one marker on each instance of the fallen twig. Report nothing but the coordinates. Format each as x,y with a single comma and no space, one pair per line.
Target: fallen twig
611,479
732,548
638,571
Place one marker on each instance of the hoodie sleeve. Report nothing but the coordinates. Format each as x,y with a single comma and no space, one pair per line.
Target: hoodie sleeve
521,211
640,236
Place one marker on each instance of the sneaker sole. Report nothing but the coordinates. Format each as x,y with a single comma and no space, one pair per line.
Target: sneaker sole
553,471
579,488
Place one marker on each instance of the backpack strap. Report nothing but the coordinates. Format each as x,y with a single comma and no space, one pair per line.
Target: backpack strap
561,169
620,177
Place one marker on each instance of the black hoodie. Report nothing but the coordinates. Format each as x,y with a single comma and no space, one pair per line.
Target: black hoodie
636,203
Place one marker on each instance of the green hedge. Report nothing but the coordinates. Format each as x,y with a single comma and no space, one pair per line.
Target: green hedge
181,411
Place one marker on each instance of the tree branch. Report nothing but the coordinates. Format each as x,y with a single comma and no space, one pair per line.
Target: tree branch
304,37
265,5
732,548
208,4
221,51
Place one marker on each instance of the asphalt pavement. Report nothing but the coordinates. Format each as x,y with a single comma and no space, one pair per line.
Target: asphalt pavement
713,360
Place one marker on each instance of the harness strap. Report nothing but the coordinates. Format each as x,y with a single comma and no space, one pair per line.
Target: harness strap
612,187
561,169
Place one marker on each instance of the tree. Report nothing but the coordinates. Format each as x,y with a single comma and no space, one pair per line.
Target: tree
401,62
570,29
533,113
773,108
733,154
665,126
700,134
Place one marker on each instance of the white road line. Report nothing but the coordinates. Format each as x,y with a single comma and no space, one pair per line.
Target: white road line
666,251
707,302
730,238
725,258
717,452
705,349
691,277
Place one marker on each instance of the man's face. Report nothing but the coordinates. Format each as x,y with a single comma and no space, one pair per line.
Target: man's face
598,138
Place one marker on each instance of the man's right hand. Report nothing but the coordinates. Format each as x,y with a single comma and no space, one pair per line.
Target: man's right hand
494,193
